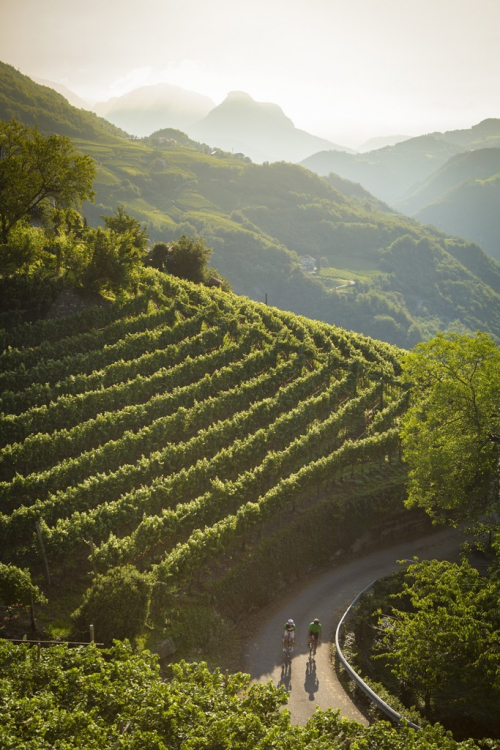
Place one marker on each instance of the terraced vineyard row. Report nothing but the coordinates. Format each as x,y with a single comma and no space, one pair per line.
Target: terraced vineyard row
182,433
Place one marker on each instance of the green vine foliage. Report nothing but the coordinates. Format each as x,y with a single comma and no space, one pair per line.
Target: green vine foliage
116,604
63,698
17,588
171,432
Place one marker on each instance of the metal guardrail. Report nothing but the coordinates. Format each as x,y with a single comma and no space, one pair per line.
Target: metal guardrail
371,694
41,642
51,643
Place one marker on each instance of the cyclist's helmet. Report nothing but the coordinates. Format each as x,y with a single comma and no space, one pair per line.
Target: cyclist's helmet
291,622
316,621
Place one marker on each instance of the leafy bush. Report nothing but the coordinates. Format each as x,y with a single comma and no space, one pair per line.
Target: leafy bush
16,587
187,258
117,604
82,697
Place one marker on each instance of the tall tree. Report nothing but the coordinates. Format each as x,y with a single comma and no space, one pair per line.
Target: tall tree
38,170
17,588
123,224
451,432
187,258
445,646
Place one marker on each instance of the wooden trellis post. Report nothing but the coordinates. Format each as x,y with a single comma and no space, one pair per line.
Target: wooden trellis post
42,549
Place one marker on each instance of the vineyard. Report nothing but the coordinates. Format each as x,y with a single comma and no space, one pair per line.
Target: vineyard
214,443
346,275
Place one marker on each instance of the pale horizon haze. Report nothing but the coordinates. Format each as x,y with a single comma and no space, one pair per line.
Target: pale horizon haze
346,71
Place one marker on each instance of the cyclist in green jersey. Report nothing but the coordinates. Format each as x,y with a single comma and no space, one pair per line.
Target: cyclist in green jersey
314,633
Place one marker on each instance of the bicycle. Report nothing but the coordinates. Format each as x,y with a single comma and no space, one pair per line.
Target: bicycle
288,648
312,644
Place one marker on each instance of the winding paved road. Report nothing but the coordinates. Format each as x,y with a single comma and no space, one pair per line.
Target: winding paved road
327,596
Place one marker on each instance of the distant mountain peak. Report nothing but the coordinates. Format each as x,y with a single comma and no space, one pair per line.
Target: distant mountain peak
239,96
155,93
260,130
156,106
240,110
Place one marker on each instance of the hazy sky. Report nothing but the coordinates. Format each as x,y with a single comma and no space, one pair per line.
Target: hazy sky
344,69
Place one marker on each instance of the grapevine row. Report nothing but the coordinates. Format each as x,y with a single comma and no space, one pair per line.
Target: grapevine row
71,410
226,497
179,427
247,450
85,372
82,371
27,336
76,349
171,459
206,544
244,455
39,450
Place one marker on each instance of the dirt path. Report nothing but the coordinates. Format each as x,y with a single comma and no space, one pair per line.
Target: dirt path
327,596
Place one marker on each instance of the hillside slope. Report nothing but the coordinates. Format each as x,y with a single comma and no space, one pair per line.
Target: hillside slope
469,210
387,172
260,219
462,198
194,434
470,165
26,101
391,172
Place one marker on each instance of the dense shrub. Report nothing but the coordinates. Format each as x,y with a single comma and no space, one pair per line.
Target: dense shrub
116,603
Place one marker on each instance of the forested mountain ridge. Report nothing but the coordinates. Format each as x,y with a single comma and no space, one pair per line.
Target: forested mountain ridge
409,281
446,179
392,171
462,197
33,104
469,210
486,134
479,164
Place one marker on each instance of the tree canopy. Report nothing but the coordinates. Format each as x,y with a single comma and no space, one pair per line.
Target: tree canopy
187,258
16,587
37,169
82,697
442,642
451,432
123,224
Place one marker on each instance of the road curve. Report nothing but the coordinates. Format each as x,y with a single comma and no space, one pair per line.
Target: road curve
327,596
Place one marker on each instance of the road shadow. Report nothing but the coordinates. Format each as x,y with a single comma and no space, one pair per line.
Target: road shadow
298,650
311,681
286,675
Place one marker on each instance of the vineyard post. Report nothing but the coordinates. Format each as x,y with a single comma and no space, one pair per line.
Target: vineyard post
32,613
91,544
91,633
42,548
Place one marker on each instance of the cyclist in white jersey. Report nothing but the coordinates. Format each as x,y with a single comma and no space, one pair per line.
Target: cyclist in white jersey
288,636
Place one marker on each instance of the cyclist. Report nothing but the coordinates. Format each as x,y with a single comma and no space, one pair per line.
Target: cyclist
314,633
288,636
